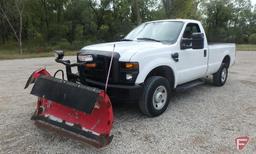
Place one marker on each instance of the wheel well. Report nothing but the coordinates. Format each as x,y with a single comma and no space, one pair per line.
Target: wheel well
226,60
163,71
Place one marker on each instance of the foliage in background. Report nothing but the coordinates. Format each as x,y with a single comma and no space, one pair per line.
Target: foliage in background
229,20
72,24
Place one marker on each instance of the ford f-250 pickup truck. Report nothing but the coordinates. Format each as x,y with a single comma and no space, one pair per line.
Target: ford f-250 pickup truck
154,59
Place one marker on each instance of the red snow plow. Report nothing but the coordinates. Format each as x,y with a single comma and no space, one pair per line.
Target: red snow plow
71,108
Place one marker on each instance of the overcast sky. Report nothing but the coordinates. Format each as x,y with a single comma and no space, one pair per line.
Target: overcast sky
253,2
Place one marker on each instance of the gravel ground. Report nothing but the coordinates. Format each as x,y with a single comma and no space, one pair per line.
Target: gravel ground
205,119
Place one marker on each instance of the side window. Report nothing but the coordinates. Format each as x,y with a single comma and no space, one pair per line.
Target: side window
187,35
190,29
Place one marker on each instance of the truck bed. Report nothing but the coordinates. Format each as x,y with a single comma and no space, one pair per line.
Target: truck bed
221,44
216,52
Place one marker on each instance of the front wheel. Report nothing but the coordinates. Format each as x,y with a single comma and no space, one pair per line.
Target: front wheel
220,77
156,96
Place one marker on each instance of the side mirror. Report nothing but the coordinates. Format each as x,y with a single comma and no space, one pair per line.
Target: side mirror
186,43
197,40
121,36
59,54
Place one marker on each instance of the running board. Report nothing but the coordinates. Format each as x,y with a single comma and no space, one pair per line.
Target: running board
189,85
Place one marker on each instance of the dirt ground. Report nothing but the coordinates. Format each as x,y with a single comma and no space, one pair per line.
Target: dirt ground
205,119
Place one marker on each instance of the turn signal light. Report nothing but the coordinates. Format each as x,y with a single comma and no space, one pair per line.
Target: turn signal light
131,65
91,65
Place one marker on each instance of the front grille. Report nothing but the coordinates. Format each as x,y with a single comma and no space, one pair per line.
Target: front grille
100,72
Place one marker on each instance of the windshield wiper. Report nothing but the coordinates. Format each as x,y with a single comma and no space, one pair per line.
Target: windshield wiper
126,39
148,39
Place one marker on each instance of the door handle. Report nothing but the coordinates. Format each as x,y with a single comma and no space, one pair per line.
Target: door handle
205,53
175,57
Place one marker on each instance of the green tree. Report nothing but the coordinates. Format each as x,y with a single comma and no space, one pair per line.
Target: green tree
180,9
218,14
252,38
75,23
12,12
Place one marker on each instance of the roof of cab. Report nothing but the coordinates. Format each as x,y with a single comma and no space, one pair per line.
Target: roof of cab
181,20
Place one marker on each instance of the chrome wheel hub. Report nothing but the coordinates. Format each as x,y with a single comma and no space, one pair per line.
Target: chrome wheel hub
224,75
159,97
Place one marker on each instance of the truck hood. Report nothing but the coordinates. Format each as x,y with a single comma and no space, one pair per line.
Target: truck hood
126,49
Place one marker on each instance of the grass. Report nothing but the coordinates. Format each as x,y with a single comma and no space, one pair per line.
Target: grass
11,52
15,55
246,47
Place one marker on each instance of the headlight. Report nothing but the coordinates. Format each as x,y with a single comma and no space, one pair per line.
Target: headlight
85,58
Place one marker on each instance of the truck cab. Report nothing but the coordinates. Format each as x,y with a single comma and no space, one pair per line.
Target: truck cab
154,59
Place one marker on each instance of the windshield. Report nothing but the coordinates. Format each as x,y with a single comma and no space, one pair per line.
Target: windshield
162,31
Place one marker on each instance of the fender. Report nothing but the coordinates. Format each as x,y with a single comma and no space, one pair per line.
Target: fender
152,65
36,74
225,53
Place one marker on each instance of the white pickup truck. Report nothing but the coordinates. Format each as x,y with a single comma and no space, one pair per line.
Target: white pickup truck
154,59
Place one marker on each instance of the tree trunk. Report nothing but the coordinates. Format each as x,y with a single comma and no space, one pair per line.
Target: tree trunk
167,7
136,11
20,34
17,33
45,7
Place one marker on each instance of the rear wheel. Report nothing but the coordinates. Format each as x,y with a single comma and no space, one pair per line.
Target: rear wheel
156,96
220,77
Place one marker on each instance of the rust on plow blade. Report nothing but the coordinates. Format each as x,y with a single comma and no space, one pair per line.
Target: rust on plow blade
79,111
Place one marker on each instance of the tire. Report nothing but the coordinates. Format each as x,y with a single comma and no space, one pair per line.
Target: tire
156,96
220,77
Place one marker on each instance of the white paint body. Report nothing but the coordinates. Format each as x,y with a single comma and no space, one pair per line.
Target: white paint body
150,55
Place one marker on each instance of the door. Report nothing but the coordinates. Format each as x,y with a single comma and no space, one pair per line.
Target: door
192,63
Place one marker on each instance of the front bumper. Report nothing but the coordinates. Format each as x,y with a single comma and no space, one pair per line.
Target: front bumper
120,93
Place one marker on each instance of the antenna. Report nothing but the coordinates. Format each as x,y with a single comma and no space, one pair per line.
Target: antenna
109,69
